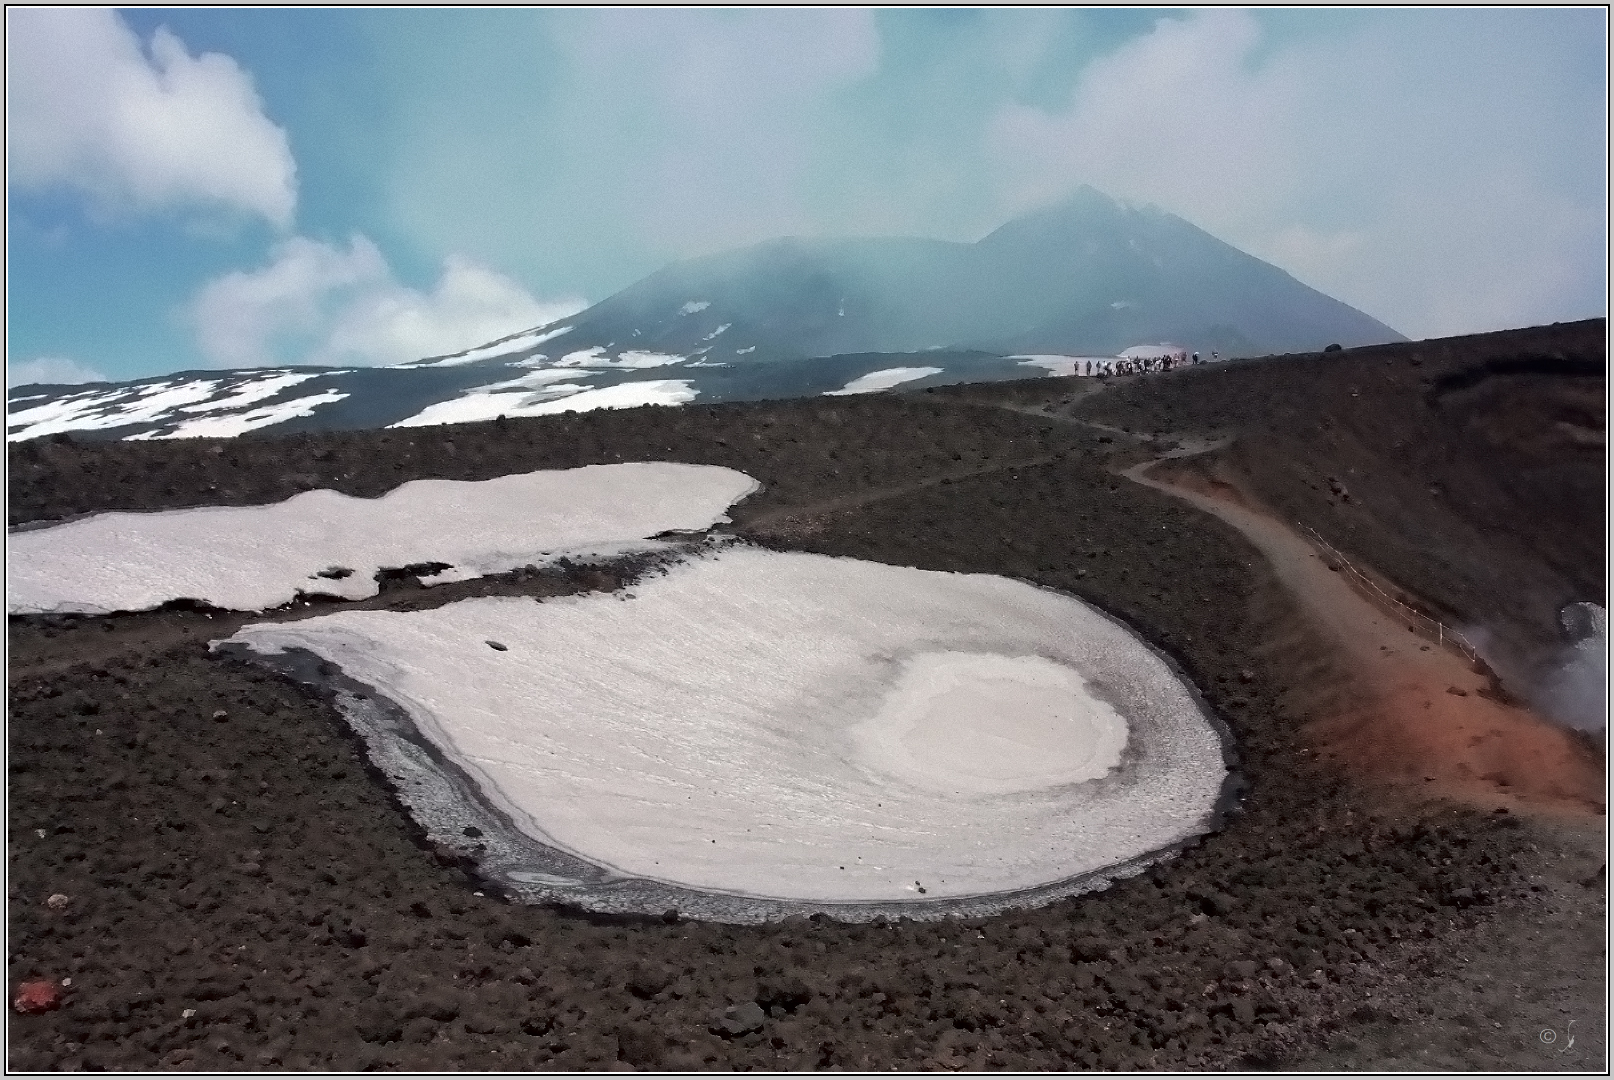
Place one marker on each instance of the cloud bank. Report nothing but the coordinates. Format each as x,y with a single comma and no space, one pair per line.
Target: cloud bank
1442,170
1396,166
51,370
316,303
138,127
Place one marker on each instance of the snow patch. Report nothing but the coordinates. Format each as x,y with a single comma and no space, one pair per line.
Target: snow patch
540,379
249,392
527,339
636,359
476,407
883,380
800,727
590,357
626,395
487,404
248,558
199,407
631,360
103,409
693,306
233,424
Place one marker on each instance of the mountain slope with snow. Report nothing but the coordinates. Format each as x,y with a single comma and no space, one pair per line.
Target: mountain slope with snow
786,318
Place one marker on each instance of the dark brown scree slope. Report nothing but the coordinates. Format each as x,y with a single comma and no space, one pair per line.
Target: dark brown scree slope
242,893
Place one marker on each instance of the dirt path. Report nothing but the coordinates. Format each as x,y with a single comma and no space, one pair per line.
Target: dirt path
1526,990
796,520
1422,722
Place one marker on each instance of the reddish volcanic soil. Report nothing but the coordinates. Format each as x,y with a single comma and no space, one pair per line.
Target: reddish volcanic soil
1421,718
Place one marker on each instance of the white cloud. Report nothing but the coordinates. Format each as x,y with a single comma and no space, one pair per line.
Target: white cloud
315,303
138,127
1175,116
1403,165
51,370
734,99
643,135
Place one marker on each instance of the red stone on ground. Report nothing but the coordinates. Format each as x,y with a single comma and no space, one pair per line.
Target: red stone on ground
37,997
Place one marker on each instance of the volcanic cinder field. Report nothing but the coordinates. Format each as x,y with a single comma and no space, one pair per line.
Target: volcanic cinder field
1056,724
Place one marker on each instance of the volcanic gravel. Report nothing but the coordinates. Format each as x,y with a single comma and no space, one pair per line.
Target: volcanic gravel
243,892
1470,470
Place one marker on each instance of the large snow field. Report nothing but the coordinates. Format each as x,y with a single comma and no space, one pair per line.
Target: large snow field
249,558
793,726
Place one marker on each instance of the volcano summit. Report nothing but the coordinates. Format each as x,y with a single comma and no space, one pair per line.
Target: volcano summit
787,318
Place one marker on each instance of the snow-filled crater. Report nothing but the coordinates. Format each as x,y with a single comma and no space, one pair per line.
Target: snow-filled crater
752,733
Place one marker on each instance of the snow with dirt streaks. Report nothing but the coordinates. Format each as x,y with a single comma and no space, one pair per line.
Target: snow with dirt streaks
883,380
527,339
631,360
578,397
101,409
801,727
230,424
226,405
249,558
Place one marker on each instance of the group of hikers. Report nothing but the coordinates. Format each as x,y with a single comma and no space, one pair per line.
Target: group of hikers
1137,365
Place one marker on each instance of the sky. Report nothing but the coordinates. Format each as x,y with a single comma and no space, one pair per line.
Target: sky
216,188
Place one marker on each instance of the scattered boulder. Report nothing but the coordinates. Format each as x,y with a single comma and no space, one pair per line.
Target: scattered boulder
788,994
741,1019
58,901
646,980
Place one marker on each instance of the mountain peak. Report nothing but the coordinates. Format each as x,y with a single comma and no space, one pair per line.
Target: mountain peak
1082,211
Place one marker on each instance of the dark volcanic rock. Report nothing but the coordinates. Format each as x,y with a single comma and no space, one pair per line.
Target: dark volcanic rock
1137,976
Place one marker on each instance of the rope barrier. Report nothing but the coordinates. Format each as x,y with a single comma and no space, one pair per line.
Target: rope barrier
1432,629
